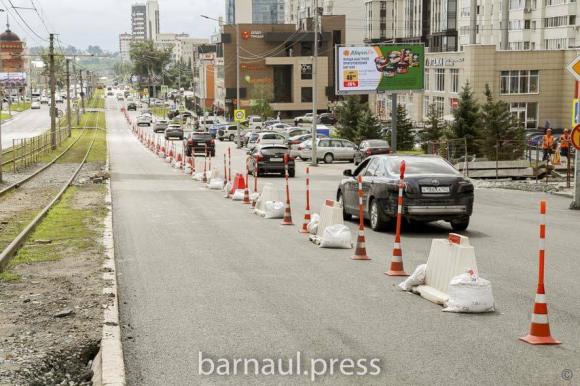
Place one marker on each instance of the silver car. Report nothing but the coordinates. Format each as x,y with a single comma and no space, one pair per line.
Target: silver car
174,131
329,150
160,125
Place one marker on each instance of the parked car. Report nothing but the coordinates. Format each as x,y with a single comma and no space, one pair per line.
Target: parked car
160,125
295,131
227,132
35,105
434,191
270,159
371,147
132,107
174,131
279,127
120,97
329,150
266,138
255,122
43,100
270,122
326,119
214,129
306,118
295,141
144,120
197,142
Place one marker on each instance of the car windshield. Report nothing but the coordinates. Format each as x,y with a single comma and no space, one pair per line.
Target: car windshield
200,136
421,166
377,143
273,150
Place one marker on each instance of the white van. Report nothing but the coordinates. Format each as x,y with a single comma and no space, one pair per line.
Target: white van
255,122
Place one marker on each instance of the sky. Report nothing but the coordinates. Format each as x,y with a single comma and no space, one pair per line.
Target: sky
99,22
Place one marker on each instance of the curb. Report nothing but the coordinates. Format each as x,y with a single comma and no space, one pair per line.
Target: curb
109,365
563,194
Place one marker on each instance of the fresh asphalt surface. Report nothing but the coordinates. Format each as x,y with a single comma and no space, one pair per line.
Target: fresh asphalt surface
25,124
198,272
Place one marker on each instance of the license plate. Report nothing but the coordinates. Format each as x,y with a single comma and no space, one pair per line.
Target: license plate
276,159
435,189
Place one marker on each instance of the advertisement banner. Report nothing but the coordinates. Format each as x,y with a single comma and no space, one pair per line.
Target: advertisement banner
12,79
380,68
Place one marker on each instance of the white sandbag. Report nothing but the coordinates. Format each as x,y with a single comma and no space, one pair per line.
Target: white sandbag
312,226
336,236
274,209
198,176
254,197
216,184
238,195
187,169
469,293
416,278
227,188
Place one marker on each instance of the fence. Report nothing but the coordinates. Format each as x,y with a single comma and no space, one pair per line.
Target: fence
27,151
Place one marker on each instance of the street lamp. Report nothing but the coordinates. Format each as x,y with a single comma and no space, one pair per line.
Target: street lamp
237,74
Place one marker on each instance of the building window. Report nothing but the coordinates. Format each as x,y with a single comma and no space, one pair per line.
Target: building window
526,113
427,79
306,71
306,94
454,73
439,103
439,79
557,21
519,82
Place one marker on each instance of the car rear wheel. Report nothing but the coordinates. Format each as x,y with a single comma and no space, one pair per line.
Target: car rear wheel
328,158
345,216
378,222
460,225
232,138
291,173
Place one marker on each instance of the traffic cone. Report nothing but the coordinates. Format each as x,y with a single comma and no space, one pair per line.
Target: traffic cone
304,228
396,268
287,211
361,250
246,190
255,199
540,326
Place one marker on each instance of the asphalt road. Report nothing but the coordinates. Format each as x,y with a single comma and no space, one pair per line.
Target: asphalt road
198,272
25,124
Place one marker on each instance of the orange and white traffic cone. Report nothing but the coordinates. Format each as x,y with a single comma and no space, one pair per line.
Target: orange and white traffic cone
540,326
225,170
204,179
255,183
304,228
396,267
287,211
361,250
247,189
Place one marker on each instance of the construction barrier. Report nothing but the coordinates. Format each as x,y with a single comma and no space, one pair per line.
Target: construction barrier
447,259
269,193
330,214
396,266
540,326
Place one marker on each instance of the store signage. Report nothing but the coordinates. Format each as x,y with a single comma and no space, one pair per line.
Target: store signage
440,62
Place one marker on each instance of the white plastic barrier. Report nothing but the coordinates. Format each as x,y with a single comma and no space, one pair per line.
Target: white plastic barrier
330,214
187,169
269,193
238,195
447,259
216,184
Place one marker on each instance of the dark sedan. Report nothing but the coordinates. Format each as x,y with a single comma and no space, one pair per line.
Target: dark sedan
132,106
327,119
434,191
197,143
270,159
371,147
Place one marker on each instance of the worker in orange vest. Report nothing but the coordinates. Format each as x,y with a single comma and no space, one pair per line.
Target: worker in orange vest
547,145
565,142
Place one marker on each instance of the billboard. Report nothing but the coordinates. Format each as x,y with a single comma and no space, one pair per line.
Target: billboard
12,79
380,68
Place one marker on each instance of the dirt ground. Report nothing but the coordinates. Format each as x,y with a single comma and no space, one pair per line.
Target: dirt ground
51,314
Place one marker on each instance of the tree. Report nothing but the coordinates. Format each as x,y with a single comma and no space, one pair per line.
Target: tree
261,105
368,127
348,117
178,75
405,140
467,119
148,60
433,127
502,135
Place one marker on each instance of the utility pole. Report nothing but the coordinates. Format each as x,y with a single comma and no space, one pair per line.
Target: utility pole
52,94
314,160
238,82
82,92
68,114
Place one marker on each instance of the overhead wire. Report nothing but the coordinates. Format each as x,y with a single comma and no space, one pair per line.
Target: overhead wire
25,22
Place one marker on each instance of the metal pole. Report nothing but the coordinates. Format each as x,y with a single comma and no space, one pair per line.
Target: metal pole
314,159
576,202
52,94
1,142
68,114
82,92
394,107
238,82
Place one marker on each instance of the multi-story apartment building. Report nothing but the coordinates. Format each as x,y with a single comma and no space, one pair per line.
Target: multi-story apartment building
139,21
254,11
125,41
152,19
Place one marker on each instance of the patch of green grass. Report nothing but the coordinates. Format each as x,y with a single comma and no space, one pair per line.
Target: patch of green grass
71,230
15,225
159,111
20,106
4,116
49,155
